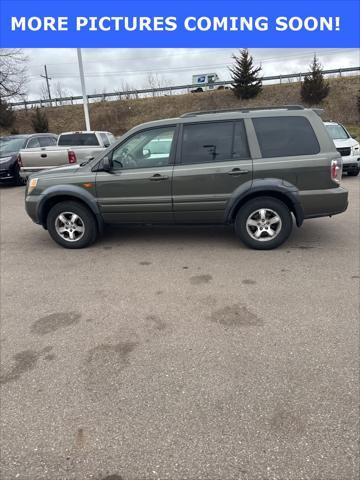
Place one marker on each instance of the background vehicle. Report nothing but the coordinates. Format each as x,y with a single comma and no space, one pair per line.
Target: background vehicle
253,168
72,147
347,146
204,78
10,147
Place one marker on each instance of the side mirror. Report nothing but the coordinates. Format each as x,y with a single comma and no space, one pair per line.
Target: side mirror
106,145
106,164
146,153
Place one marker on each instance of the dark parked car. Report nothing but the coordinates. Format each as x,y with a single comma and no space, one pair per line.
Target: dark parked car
10,147
258,169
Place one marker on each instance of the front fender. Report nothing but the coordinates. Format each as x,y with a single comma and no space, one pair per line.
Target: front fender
71,191
265,186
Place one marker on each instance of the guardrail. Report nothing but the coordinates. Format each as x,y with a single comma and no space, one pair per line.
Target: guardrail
167,90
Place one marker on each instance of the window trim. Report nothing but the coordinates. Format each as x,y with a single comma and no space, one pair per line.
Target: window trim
232,159
172,151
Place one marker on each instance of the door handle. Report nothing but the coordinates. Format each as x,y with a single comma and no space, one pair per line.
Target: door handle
43,155
157,177
237,171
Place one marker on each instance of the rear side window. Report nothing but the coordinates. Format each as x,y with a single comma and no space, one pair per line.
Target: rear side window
285,136
78,140
207,142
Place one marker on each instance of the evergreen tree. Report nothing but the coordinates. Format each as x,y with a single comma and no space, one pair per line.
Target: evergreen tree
246,80
7,115
40,122
314,88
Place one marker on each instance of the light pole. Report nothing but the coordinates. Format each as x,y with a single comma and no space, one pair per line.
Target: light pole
83,88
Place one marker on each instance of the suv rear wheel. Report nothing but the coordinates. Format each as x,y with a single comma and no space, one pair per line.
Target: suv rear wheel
263,223
72,225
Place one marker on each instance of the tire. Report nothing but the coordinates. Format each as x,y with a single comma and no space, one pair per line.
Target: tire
251,220
72,225
18,180
353,173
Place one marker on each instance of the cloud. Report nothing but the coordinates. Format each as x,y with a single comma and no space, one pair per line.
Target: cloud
107,70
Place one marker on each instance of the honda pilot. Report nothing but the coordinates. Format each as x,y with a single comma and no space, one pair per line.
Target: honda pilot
260,169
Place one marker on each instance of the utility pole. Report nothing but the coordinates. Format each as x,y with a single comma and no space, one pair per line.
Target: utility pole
47,78
83,88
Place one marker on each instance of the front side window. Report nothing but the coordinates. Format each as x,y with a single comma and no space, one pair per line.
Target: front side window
33,143
285,136
207,142
150,148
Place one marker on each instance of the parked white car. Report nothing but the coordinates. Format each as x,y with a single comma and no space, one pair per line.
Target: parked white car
347,146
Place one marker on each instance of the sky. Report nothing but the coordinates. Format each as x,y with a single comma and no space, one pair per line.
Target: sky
109,70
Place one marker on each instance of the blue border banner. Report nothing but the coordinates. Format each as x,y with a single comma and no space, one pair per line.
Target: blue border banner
197,24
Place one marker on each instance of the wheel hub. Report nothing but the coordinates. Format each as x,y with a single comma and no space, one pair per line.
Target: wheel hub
70,226
263,224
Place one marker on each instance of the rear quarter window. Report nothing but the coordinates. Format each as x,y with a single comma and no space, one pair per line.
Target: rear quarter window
78,140
285,136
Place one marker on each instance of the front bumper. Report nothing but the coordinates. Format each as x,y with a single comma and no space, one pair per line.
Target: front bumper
324,203
31,207
350,163
6,175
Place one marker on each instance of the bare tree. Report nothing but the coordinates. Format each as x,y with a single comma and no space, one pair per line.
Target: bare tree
61,92
126,87
44,94
154,80
13,66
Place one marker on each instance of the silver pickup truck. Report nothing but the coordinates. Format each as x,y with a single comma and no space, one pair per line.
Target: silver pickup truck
72,147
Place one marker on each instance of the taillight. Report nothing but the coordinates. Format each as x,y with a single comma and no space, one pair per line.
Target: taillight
19,161
71,156
336,170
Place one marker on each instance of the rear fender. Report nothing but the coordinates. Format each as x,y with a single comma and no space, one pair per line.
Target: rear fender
265,186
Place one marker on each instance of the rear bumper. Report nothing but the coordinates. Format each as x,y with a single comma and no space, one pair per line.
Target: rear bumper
324,203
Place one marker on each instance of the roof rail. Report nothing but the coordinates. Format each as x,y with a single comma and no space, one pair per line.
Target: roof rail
229,110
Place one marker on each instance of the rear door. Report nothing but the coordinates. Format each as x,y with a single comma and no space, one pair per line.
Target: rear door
212,161
138,189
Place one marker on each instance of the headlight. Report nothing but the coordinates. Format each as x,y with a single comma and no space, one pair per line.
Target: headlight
355,150
5,160
32,184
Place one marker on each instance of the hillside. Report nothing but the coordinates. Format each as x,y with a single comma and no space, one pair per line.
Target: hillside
119,116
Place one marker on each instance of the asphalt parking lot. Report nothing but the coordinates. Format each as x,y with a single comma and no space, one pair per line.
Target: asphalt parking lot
177,353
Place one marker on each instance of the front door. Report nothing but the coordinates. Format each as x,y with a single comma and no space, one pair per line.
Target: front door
212,163
138,188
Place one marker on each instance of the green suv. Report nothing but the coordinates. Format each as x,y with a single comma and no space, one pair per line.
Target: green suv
258,169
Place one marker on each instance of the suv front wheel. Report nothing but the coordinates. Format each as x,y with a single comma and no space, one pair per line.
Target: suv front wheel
72,225
263,223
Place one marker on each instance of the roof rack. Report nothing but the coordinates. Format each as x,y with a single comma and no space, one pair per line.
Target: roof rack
229,110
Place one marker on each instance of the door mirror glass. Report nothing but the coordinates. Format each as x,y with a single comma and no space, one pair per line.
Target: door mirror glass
106,164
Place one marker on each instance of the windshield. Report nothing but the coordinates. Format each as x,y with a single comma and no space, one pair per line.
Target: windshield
78,139
10,145
337,132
